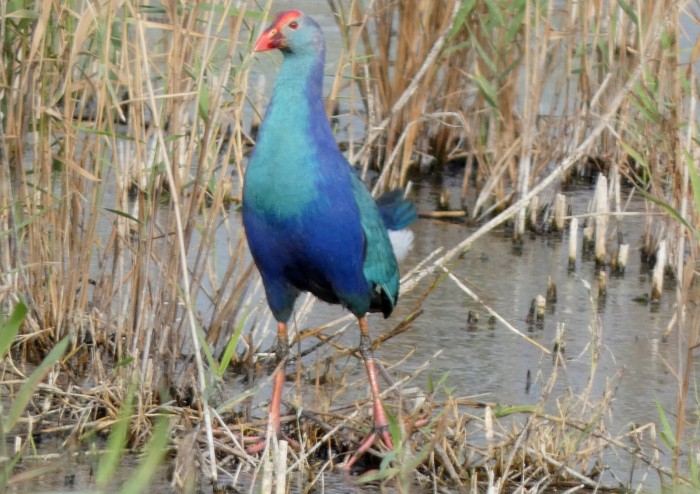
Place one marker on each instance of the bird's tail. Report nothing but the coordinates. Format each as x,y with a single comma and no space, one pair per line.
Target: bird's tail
398,213
401,242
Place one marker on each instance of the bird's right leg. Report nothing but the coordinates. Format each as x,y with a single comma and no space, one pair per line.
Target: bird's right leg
273,423
381,422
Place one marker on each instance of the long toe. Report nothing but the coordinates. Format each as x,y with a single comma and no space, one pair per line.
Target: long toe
386,437
258,444
364,446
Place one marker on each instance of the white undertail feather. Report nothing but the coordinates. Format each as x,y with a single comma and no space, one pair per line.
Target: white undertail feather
401,242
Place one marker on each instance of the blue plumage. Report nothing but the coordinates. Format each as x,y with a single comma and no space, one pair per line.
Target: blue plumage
311,223
396,212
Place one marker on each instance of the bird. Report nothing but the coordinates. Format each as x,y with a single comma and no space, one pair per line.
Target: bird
310,222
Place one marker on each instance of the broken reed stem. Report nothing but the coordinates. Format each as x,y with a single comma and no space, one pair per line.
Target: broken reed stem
657,282
601,219
573,243
474,296
281,468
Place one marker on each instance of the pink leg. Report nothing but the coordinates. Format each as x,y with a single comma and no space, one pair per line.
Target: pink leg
277,388
381,423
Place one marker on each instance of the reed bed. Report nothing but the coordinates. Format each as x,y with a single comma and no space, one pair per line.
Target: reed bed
123,139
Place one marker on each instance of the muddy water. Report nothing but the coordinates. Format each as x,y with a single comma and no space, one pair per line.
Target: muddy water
495,362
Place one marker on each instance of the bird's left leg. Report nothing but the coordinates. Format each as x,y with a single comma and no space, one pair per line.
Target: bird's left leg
381,423
281,354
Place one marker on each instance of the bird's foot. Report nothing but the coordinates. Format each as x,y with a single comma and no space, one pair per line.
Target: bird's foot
380,432
259,443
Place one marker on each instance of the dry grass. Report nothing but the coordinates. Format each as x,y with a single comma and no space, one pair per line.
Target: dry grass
121,140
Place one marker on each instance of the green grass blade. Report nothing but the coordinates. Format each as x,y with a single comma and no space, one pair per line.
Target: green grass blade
109,462
487,90
28,388
10,327
504,411
462,15
124,214
667,435
374,475
627,8
156,450
7,468
204,102
231,345
668,208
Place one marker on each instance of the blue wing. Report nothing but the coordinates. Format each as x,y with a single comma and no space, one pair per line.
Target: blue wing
380,267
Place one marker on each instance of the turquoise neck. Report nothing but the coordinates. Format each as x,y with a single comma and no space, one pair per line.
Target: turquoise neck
298,94
285,165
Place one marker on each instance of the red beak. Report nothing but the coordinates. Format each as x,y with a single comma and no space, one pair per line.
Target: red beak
269,40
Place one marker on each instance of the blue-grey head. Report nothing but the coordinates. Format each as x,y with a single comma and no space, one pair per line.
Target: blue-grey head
292,32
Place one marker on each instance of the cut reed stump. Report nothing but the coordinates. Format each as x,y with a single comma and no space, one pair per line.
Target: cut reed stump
573,242
541,306
444,200
537,308
657,280
602,284
551,291
618,260
623,255
559,345
601,219
559,213
472,319
588,230
649,242
532,216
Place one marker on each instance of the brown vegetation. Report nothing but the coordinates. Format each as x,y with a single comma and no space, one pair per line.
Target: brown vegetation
121,139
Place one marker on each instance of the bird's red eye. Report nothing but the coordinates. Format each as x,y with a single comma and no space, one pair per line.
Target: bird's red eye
294,24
